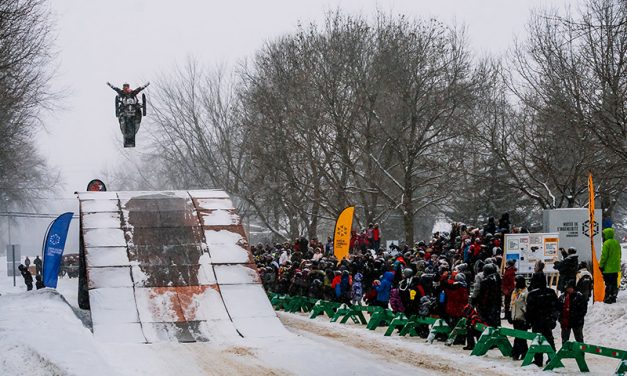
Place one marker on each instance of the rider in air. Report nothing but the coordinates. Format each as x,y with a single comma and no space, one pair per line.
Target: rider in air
129,121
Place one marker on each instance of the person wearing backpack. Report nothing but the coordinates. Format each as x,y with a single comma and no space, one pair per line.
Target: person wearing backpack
567,268
583,281
488,302
518,309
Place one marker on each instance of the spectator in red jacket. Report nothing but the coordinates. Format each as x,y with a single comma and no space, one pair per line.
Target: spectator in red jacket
354,240
376,236
456,291
475,248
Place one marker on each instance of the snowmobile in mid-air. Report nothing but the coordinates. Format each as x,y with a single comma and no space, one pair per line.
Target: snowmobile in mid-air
129,111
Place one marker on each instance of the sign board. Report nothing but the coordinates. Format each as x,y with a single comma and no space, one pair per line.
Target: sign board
527,249
11,265
573,226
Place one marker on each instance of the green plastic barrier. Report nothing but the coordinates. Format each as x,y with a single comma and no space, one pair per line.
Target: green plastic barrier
323,307
458,330
576,350
280,302
299,304
490,338
380,318
414,322
497,337
439,327
398,322
346,312
539,345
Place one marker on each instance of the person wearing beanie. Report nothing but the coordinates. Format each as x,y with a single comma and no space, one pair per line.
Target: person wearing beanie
610,265
567,268
572,308
542,311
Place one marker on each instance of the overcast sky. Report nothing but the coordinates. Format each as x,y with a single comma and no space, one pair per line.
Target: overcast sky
135,40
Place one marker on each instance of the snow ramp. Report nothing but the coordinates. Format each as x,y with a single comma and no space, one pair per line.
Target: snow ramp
170,266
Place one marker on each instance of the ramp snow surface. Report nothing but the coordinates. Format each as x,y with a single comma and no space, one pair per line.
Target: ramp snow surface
170,266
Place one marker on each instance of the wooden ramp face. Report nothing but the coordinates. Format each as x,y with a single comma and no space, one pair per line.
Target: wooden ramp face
171,266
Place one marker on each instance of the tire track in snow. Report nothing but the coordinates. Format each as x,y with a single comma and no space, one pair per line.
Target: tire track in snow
388,351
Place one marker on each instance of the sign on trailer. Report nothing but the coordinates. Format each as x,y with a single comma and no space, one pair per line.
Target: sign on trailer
527,249
573,226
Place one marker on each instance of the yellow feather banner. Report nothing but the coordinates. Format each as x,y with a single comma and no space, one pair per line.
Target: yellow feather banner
342,235
599,284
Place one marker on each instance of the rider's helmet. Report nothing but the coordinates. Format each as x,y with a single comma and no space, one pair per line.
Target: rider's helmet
126,88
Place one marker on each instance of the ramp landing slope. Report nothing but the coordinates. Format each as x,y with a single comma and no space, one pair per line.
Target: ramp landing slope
170,266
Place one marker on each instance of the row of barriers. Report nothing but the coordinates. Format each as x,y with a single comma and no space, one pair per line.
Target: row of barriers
434,327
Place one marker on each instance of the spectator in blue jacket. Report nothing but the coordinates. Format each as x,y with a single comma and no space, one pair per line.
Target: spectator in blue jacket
384,288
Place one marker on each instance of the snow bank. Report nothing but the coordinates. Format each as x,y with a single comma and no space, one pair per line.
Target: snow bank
41,335
606,324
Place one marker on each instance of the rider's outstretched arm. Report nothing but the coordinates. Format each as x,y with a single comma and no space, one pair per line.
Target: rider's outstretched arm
117,89
136,91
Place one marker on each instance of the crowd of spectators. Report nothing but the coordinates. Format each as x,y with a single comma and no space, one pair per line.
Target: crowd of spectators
452,275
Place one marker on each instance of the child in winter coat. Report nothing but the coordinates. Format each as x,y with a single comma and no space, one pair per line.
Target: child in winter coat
357,291
395,301
384,289
335,284
472,319
341,285
371,295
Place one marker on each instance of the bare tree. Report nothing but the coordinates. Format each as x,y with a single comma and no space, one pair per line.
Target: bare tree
562,131
427,90
25,54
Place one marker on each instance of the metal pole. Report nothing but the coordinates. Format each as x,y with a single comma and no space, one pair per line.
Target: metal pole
6,205
13,266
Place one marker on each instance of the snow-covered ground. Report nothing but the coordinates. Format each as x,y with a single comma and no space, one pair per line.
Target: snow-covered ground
41,333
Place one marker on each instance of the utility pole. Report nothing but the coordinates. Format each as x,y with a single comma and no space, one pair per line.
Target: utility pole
6,202
6,206
13,263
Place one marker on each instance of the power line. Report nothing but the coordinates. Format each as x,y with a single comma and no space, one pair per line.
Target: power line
32,215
